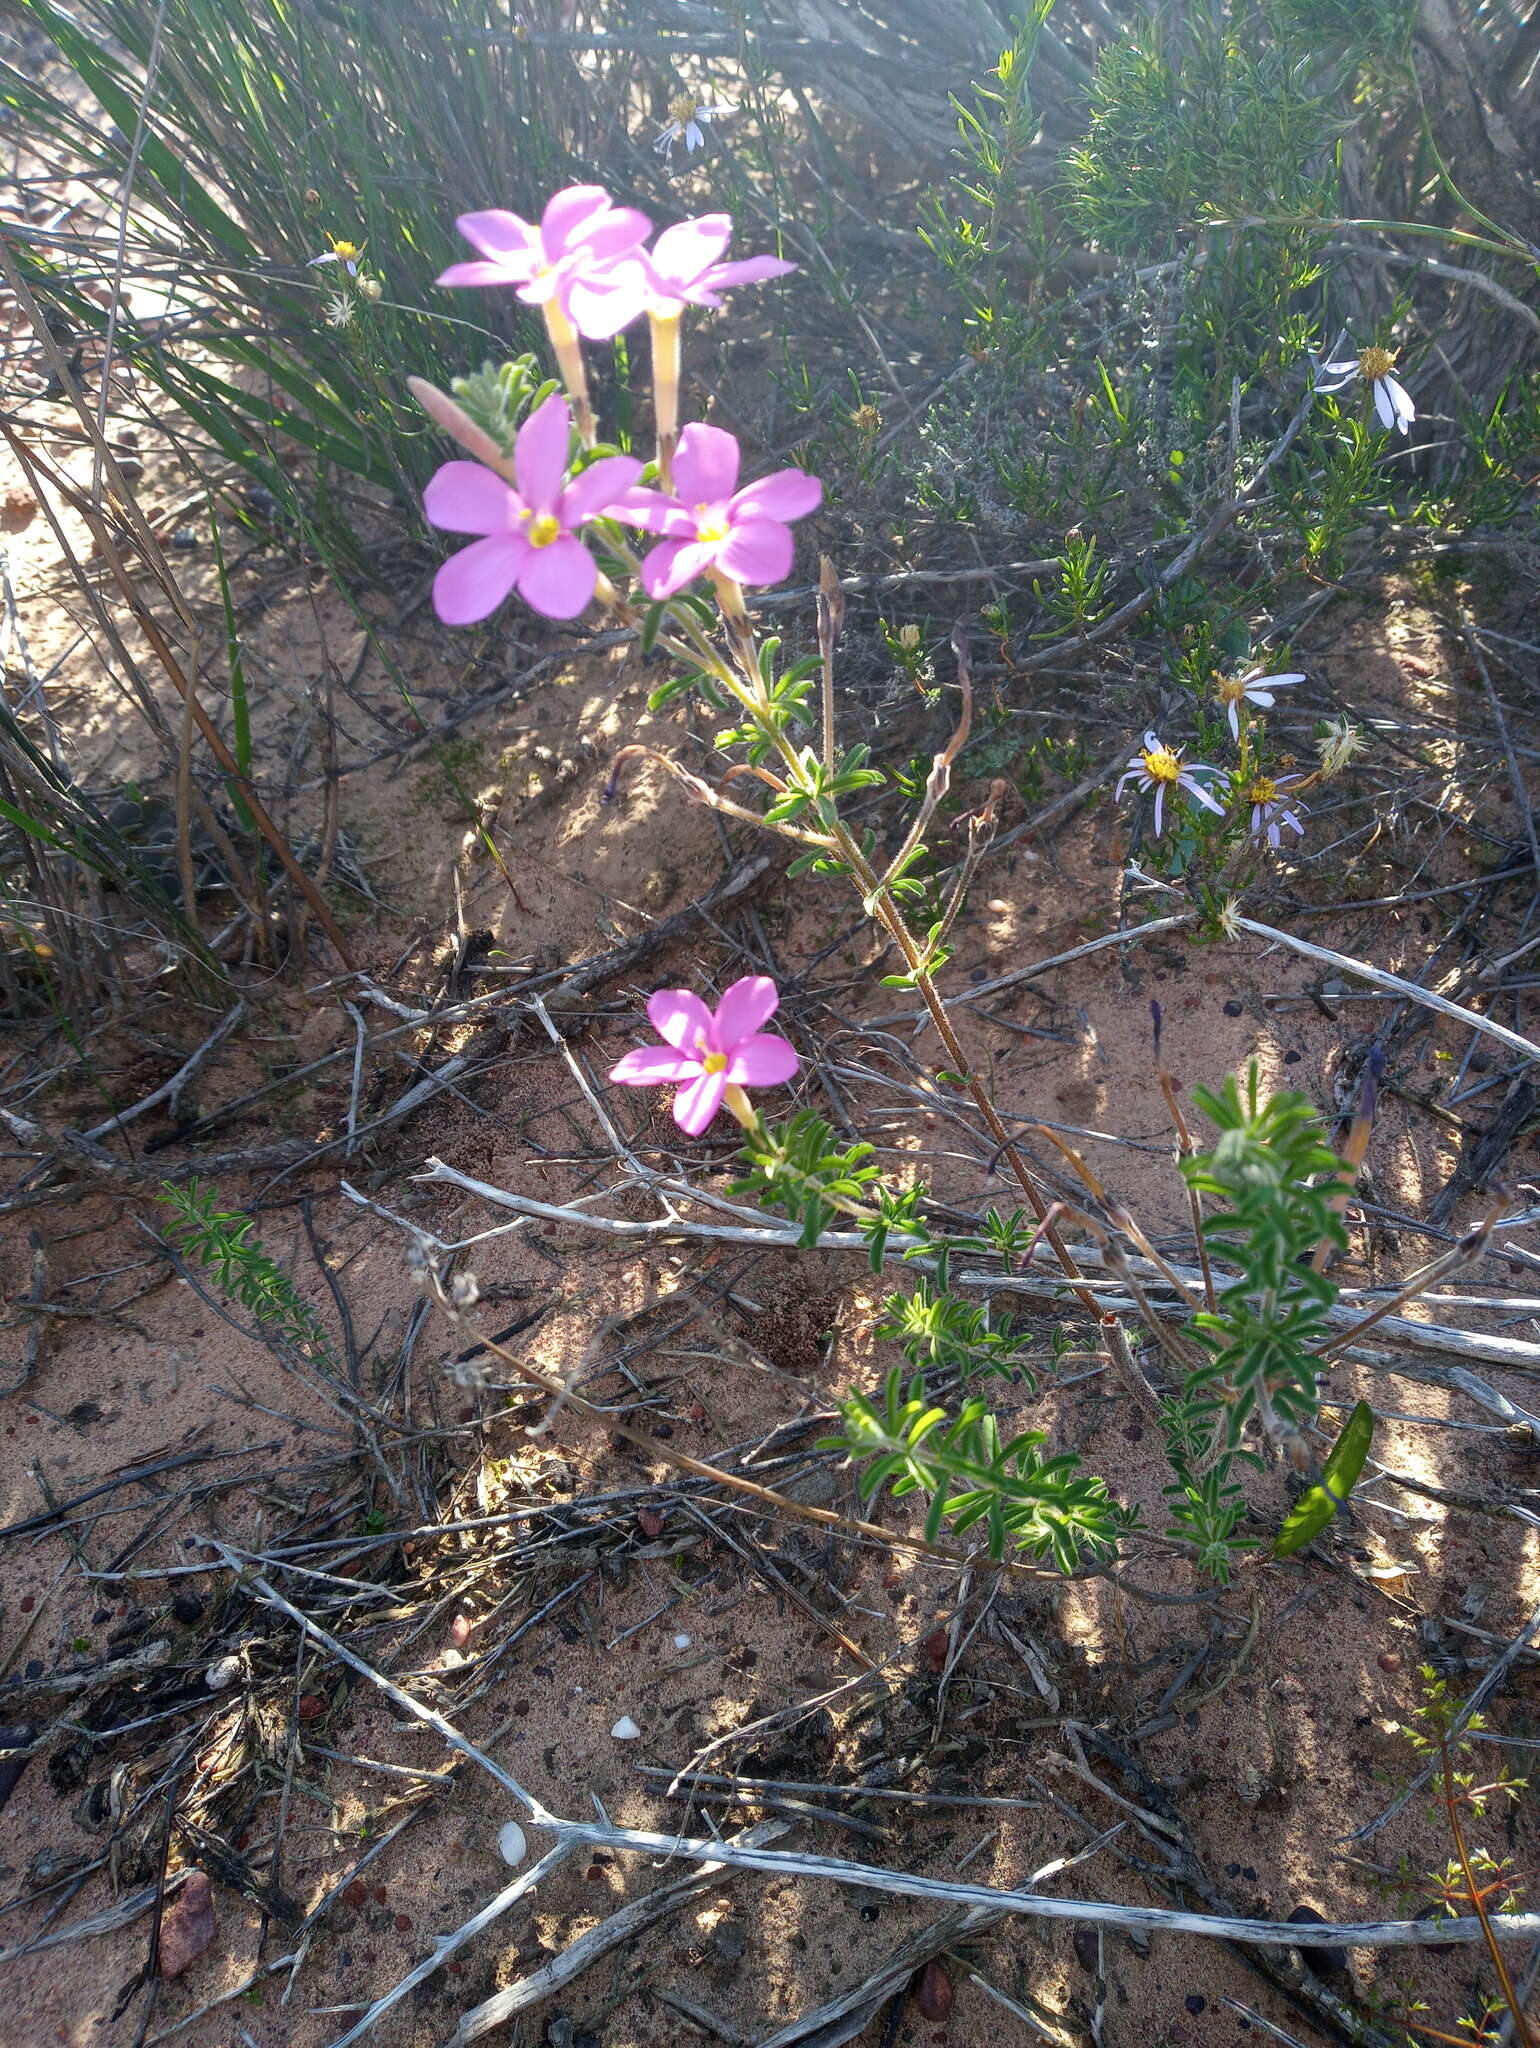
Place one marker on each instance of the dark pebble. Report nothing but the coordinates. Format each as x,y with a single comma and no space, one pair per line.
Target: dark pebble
1248,1873
1232,1870
1233,1008
1086,1946
1195,2003
185,537
188,1608
102,1614
34,1668
1292,1059
871,1913
1324,1961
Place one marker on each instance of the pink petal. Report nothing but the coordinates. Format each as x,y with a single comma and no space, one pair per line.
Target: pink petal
756,551
674,563
698,1102
467,497
763,1061
540,453
601,305
480,273
566,214
654,513
618,232
474,582
558,580
681,1019
650,1066
597,488
502,236
749,1003
681,253
788,494
751,270
705,464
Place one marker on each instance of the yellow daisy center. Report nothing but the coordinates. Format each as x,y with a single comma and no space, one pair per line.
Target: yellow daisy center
1376,362
708,528
1263,791
543,529
347,251
682,106
714,1063
1161,765
1230,689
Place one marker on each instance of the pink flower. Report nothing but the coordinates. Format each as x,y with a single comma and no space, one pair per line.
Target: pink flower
710,1054
710,525
559,261
683,267
529,543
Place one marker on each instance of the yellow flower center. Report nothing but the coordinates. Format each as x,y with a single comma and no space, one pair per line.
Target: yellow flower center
346,251
707,528
543,529
1263,791
1376,362
682,106
1230,689
1161,765
714,1063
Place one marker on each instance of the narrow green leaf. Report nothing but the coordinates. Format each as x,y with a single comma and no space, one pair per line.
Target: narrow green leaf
1311,1514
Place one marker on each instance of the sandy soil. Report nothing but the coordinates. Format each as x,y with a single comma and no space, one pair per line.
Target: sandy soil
1277,1701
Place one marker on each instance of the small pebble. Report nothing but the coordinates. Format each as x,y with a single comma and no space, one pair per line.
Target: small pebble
682,1642
460,1630
512,1844
1233,1008
185,537
1292,1059
1388,1660
220,1676
626,1730
1195,2003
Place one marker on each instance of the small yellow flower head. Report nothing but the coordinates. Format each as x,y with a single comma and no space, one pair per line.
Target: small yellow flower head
1342,741
1375,362
1230,689
909,638
682,106
1262,790
1161,765
866,419
345,252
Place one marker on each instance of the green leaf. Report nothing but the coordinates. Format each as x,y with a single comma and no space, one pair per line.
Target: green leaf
1309,1516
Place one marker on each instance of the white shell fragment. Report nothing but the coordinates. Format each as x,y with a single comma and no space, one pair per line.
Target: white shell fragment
626,1730
223,1674
512,1845
682,1642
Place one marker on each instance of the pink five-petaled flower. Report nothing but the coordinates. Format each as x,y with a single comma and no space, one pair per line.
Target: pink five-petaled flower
709,524
561,260
528,540
684,267
710,1055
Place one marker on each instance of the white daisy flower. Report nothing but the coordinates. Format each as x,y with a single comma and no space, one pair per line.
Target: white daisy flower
1392,400
1233,691
1162,768
339,310
1342,742
1272,812
345,253
685,114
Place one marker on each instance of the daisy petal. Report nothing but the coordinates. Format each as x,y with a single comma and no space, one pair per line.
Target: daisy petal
746,1005
650,1066
1383,404
680,1019
698,1102
763,1061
